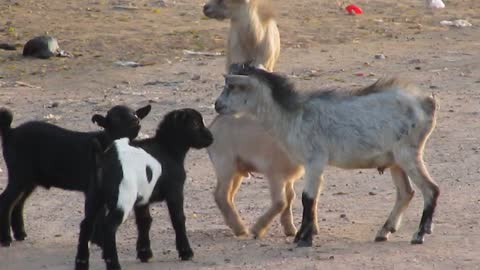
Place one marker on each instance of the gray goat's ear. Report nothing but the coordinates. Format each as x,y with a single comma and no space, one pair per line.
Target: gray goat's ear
99,120
144,111
241,81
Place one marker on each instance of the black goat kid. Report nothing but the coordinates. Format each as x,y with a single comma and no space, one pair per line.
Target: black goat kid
42,154
131,176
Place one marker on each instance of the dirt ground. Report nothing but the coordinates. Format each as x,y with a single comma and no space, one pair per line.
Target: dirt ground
321,47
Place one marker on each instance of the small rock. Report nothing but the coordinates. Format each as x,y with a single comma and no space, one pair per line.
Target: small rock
380,56
418,68
53,105
371,193
415,61
196,77
227,260
7,47
343,215
433,87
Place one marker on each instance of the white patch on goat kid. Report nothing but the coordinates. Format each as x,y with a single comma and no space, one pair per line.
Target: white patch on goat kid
135,184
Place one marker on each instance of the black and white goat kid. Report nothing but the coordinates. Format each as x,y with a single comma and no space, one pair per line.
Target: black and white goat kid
133,175
42,154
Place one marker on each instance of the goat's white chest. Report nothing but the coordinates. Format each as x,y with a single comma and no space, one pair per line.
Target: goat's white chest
140,174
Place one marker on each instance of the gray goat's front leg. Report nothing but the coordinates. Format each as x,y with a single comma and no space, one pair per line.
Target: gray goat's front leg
313,185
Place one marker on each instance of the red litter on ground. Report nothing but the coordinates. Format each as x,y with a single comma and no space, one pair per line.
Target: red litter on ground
353,9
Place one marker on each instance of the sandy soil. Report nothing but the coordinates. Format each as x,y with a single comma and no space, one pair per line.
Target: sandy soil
322,47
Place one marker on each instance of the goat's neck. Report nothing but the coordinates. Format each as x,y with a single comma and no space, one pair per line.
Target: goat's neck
104,139
175,149
247,24
279,121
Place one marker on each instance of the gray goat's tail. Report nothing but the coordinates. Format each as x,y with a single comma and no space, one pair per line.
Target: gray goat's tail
430,106
6,118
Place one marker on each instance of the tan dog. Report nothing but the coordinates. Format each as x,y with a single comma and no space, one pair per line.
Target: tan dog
254,35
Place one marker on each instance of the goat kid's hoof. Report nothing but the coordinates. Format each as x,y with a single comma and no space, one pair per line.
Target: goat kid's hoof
243,236
6,243
144,255
112,266
81,264
381,239
417,240
290,232
258,234
20,236
241,232
304,243
186,255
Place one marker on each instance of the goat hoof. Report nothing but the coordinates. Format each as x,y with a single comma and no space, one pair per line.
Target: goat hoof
186,255
417,240
6,243
381,239
258,235
81,264
20,236
289,233
113,266
304,243
297,238
144,255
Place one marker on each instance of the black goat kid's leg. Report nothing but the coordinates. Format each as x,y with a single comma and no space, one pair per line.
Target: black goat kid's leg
304,236
177,216
144,222
112,221
97,236
18,225
92,207
8,199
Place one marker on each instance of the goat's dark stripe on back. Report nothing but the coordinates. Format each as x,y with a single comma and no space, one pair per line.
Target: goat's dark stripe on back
283,90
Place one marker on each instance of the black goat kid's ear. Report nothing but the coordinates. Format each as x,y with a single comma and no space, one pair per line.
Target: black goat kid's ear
144,111
99,120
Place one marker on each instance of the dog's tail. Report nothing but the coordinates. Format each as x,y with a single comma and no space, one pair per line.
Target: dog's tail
6,119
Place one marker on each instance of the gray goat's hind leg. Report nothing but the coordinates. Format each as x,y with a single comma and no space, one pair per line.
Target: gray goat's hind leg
313,186
430,191
405,194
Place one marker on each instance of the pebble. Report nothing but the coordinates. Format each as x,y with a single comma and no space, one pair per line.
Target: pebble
380,56
371,193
